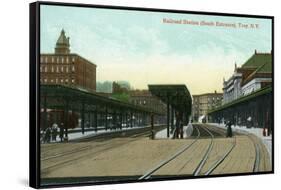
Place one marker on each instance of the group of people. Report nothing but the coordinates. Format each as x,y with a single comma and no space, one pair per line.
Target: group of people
50,134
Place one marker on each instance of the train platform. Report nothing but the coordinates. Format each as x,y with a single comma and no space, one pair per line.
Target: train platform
187,131
77,134
258,132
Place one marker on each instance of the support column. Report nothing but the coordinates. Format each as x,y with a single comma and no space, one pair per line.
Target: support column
126,118
96,121
172,118
45,112
131,119
106,122
83,118
168,116
66,123
152,126
114,120
139,119
120,119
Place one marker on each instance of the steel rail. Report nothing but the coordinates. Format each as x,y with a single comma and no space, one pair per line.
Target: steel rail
147,175
206,155
257,156
46,169
73,151
216,164
67,152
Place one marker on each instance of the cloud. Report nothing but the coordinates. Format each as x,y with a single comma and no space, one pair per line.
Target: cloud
139,48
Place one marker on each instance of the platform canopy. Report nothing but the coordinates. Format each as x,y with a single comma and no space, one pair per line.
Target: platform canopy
57,95
176,95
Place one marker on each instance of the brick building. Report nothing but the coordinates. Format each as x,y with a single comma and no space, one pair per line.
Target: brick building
64,67
203,103
144,98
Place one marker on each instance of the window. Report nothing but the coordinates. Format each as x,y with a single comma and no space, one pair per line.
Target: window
61,80
52,69
52,80
53,60
58,69
57,80
41,59
73,80
46,69
41,69
58,60
46,59
66,69
45,80
73,69
67,60
73,59
62,60
61,69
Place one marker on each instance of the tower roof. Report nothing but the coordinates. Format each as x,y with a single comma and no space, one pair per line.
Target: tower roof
62,45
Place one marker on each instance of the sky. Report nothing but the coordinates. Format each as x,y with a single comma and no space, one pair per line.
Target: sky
141,48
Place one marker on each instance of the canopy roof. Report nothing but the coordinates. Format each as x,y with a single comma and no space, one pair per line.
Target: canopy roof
60,93
176,95
243,99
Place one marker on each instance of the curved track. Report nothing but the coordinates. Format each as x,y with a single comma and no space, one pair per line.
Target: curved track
256,165
148,174
205,157
201,132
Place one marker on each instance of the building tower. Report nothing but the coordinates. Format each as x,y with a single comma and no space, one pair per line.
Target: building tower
62,45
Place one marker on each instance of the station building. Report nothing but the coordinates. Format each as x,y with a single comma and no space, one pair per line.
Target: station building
66,68
254,74
252,106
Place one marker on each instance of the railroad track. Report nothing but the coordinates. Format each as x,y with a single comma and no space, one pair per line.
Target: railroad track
198,169
205,157
215,164
148,174
103,137
256,165
51,163
82,148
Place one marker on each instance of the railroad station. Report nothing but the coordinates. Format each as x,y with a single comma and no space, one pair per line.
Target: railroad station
88,135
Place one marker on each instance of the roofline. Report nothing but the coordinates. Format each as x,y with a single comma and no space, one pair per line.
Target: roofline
218,93
242,99
96,95
255,53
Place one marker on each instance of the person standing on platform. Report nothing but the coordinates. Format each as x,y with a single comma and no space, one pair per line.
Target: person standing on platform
179,126
228,130
48,135
61,132
54,132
